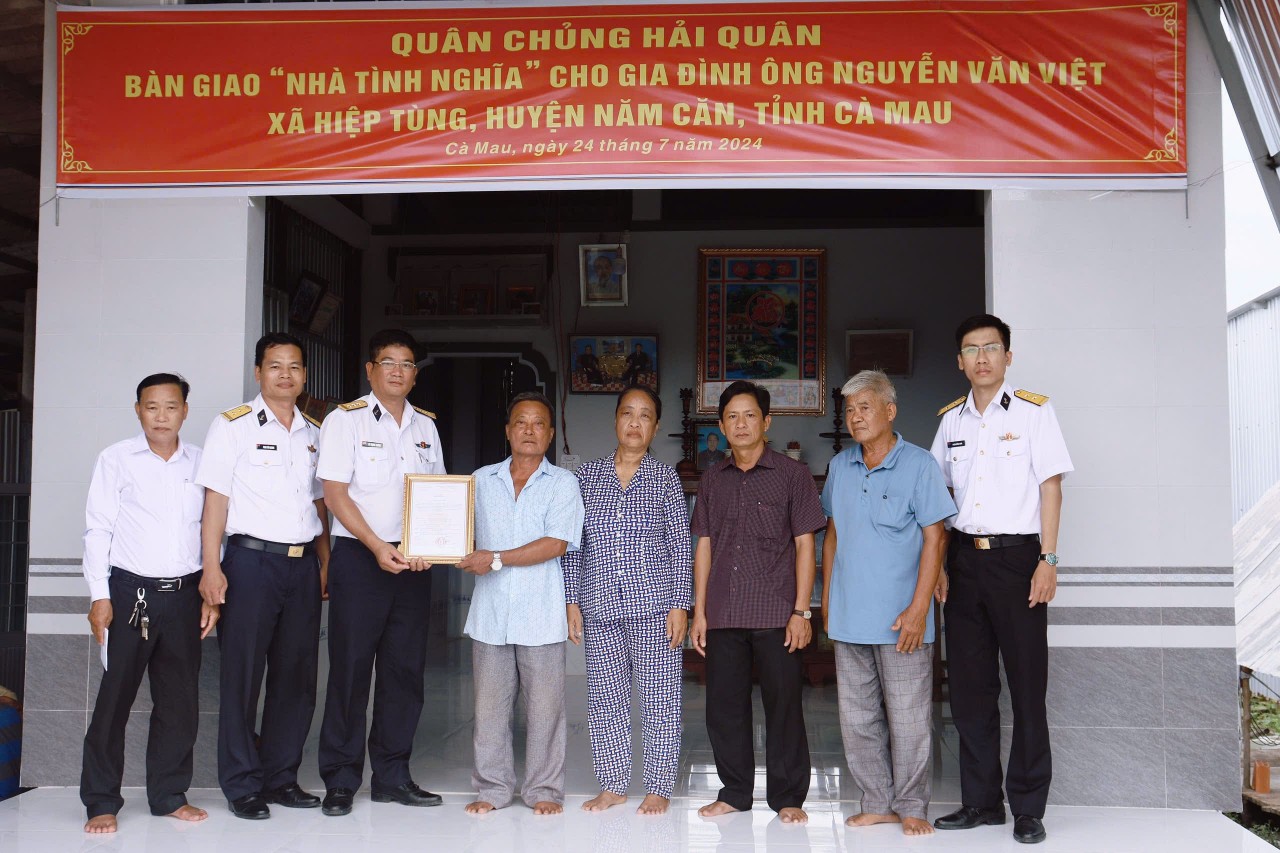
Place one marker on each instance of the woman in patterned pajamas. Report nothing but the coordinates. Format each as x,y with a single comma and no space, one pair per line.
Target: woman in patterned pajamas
629,589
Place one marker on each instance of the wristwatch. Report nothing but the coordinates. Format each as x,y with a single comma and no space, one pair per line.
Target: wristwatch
803,614
1050,558
496,565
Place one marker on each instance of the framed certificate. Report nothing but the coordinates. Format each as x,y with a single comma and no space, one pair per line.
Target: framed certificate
439,517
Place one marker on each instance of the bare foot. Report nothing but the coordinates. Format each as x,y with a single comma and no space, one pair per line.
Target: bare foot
605,800
868,819
547,807
190,813
793,815
479,807
916,826
103,823
716,809
653,804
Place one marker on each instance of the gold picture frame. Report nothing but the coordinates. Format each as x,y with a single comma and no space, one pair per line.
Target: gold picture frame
435,500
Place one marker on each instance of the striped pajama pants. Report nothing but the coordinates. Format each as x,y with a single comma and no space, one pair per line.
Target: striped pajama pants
617,653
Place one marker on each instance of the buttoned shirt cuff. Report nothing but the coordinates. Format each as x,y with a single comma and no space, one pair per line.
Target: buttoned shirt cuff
99,589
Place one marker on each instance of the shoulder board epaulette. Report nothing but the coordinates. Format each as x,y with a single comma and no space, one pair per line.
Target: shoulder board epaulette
431,415
353,405
949,406
1031,397
310,420
237,412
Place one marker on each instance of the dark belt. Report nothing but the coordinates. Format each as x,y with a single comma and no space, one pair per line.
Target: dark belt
282,548
155,584
987,543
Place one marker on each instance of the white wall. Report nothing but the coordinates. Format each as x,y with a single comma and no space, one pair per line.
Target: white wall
926,279
129,288
1116,304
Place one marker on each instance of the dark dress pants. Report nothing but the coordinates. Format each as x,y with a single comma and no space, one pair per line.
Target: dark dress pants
731,652
270,625
376,619
987,618
171,658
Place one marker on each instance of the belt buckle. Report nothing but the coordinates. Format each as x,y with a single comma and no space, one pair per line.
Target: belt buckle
982,543
168,584
296,550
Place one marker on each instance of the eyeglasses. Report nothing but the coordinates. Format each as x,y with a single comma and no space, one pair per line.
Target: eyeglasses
989,349
388,365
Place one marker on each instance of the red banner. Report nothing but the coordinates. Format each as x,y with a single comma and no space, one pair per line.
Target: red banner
215,95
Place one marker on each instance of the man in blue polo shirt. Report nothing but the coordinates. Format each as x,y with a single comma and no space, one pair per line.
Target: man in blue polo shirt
885,502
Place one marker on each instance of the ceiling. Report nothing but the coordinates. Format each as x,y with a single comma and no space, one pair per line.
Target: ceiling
21,63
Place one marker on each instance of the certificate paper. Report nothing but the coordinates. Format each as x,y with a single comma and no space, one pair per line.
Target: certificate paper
439,517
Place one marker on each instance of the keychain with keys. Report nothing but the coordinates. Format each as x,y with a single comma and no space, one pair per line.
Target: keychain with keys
138,618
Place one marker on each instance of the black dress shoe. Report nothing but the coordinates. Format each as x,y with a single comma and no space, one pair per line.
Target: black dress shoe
967,817
250,807
292,796
337,801
408,794
1028,829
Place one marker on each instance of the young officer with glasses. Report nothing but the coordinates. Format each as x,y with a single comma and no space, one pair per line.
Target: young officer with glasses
1003,457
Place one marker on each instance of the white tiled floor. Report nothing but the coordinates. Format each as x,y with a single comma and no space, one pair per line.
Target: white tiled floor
49,820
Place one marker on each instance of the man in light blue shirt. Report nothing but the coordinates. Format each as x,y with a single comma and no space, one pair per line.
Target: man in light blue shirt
885,502
528,514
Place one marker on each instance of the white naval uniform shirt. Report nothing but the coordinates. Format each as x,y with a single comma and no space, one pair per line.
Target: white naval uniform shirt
267,472
142,514
365,448
996,460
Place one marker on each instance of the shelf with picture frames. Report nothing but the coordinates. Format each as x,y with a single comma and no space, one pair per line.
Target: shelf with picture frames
473,286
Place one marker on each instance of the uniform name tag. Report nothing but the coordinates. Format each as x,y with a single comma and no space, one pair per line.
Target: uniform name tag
955,444
266,447
370,444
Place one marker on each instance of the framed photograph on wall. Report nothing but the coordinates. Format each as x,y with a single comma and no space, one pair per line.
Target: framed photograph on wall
878,349
710,445
427,300
326,310
605,364
602,271
762,317
306,298
475,299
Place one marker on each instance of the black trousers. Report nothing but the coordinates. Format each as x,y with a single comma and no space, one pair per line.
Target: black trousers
731,652
375,619
171,658
270,625
987,618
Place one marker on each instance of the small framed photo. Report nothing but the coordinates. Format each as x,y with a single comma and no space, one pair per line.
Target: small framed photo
306,298
602,271
324,314
427,300
605,364
516,296
878,349
710,445
475,299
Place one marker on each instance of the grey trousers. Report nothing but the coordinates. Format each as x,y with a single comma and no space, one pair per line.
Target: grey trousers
537,673
888,758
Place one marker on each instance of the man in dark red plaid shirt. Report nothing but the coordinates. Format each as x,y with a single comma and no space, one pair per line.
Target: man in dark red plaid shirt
753,574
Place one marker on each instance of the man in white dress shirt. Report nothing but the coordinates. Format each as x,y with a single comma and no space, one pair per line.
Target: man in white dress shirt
142,562
1003,457
379,600
259,474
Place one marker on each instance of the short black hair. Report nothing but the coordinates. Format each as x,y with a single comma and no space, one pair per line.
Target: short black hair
531,397
742,386
393,338
983,321
164,379
276,339
653,397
